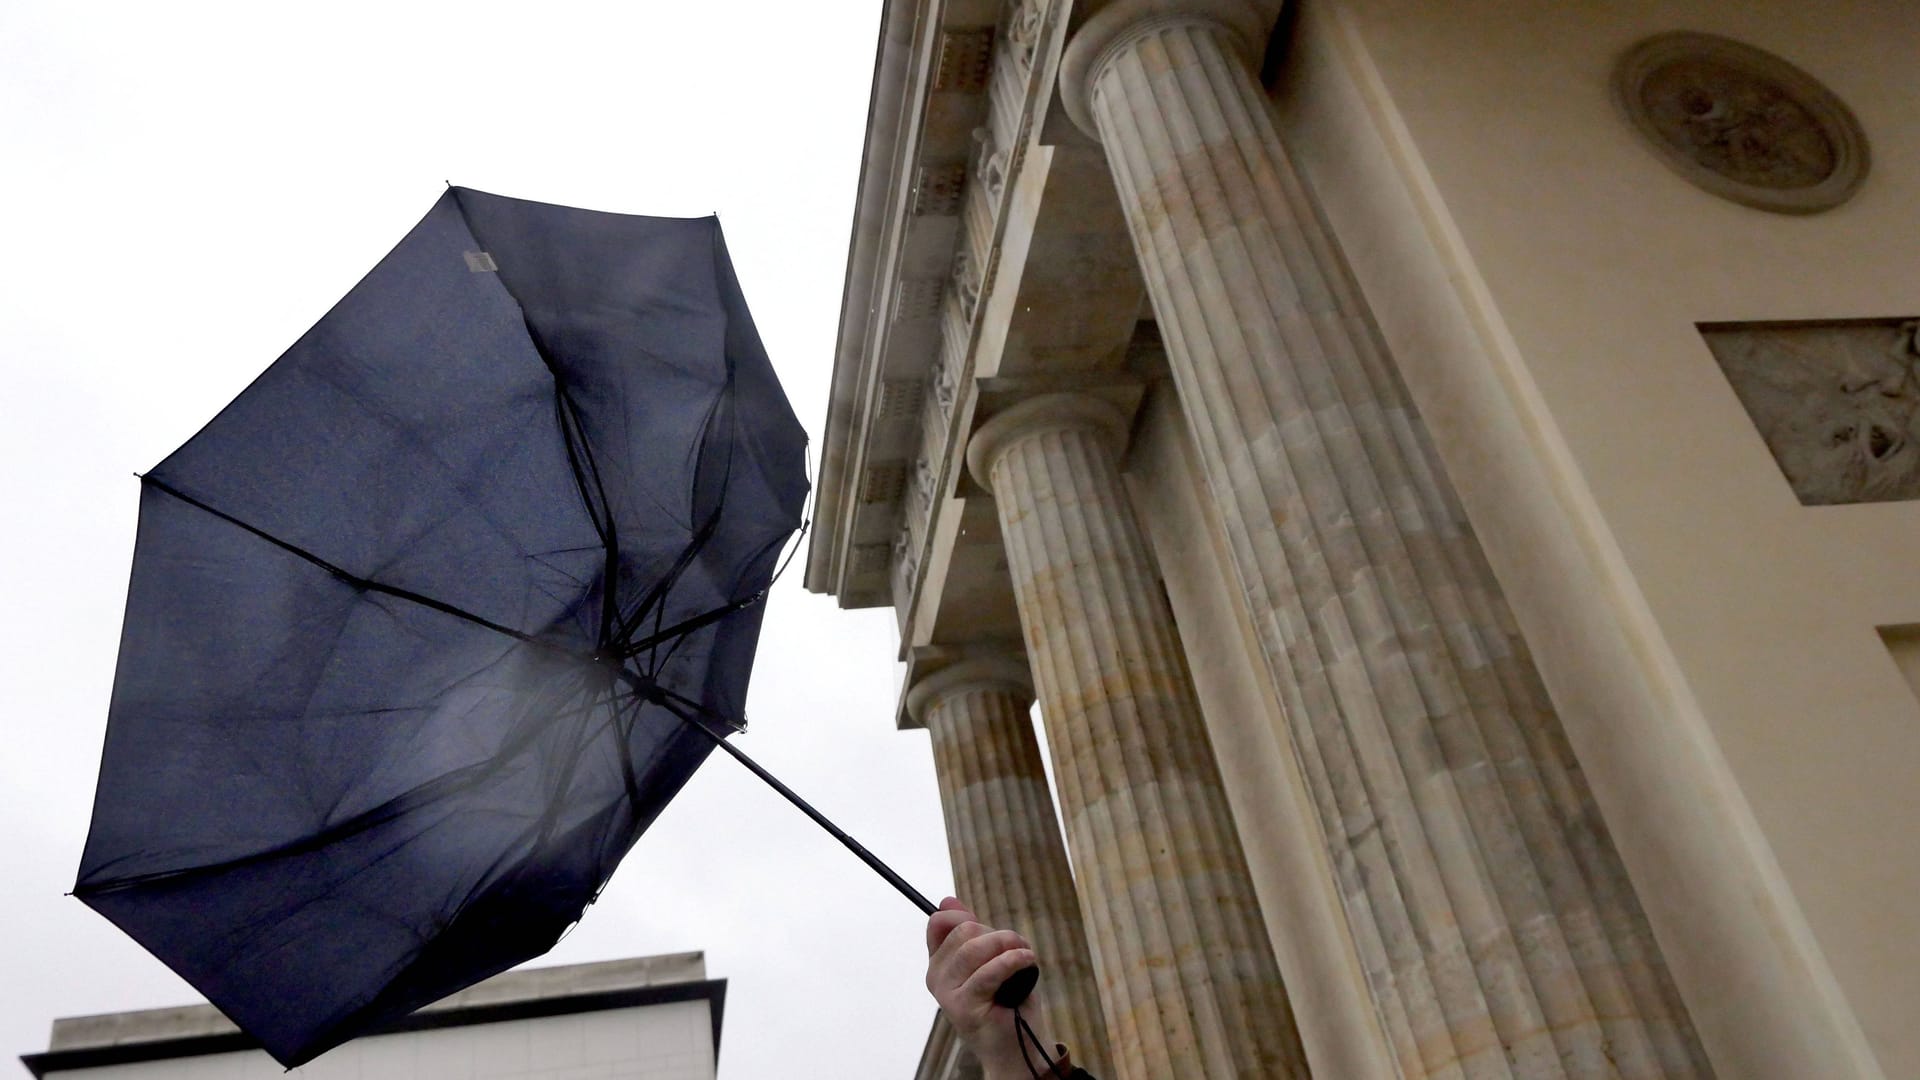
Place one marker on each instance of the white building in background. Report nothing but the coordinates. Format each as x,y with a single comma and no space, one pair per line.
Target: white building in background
655,1017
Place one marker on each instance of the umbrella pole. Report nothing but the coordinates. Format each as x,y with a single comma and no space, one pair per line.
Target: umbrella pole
859,850
1010,994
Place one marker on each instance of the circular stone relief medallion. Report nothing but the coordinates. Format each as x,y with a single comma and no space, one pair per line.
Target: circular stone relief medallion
1742,123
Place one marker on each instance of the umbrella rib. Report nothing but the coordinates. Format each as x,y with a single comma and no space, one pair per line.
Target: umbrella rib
563,783
409,434
657,594
416,796
722,401
347,575
572,432
685,626
683,629
667,580
359,823
688,626
385,812
580,451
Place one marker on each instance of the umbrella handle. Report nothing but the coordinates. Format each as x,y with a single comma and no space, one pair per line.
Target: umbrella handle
1018,985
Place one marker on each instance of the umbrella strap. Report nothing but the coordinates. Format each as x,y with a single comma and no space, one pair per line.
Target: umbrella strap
1023,1034
1062,1068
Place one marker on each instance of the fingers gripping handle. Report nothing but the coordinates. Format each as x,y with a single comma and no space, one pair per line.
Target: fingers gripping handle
1017,987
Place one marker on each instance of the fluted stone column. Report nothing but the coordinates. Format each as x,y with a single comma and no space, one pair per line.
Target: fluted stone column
1186,975
1008,862
1498,929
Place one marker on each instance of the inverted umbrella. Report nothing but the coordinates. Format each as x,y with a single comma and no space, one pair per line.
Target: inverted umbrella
429,624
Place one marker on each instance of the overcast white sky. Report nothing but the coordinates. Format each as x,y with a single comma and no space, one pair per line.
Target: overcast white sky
188,186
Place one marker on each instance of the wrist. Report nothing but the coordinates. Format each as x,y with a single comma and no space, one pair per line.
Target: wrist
997,1048
1005,1070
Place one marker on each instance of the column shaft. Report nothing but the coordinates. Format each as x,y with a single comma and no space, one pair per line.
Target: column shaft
1008,863
1185,972
1498,929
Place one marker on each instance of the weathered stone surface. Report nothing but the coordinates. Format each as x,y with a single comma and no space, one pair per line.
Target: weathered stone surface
1185,972
1008,862
1500,934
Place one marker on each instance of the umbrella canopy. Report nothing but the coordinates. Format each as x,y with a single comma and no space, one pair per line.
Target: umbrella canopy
417,622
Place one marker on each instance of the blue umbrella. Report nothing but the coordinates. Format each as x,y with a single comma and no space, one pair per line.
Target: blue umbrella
431,622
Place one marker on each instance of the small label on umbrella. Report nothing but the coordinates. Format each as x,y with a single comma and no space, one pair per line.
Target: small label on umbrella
480,262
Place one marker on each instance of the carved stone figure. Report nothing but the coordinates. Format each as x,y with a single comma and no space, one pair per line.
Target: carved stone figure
966,282
1836,403
1738,124
989,163
905,562
1025,22
1742,123
944,384
924,481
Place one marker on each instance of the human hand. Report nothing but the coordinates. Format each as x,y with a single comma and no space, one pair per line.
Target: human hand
966,963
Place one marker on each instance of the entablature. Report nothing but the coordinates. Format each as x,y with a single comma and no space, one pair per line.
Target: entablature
958,88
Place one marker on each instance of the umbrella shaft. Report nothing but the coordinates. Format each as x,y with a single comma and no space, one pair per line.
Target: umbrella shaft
926,906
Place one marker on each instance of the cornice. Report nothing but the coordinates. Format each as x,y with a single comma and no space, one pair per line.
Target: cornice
952,118
899,68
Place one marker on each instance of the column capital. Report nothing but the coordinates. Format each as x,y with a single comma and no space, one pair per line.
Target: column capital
1048,412
1004,673
1116,25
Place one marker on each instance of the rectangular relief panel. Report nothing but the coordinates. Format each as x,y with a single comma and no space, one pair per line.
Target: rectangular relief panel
1835,401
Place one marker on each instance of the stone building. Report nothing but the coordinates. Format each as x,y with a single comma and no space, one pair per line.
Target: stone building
1446,473
647,1018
